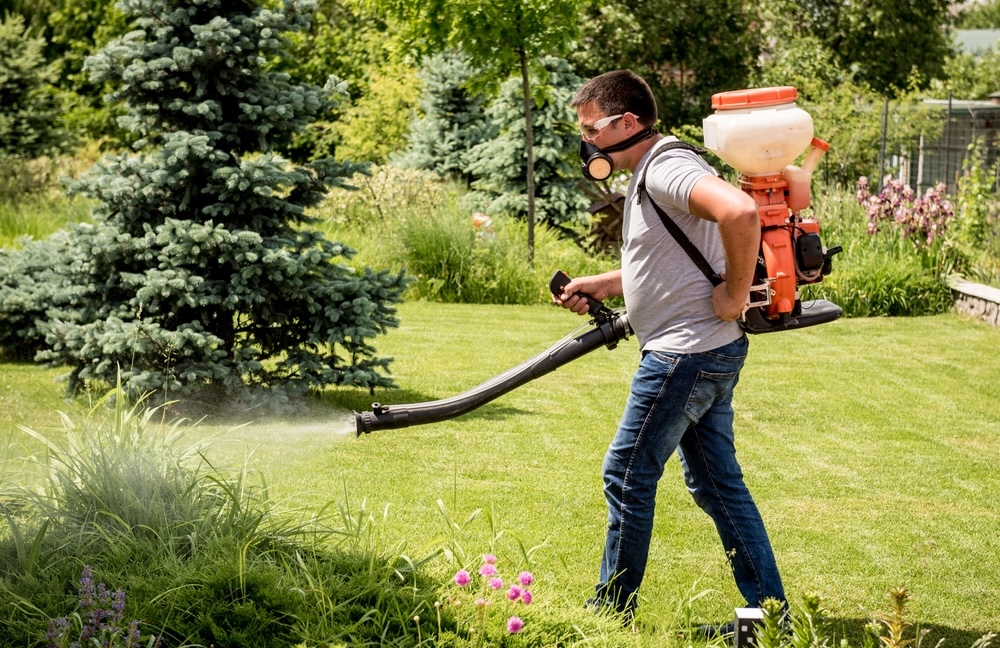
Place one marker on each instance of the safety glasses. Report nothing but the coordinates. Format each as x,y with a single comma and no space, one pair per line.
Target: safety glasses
590,131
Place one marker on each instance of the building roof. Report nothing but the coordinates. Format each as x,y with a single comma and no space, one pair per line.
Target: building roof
971,105
976,41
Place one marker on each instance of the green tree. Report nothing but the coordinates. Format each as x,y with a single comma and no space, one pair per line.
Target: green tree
499,164
981,15
378,122
846,112
199,271
28,121
969,76
498,36
78,29
884,44
686,50
73,30
349,40
453,118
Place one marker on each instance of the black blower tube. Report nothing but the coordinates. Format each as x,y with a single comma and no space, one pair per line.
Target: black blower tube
610,328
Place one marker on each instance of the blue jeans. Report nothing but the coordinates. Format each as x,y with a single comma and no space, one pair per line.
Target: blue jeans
682,402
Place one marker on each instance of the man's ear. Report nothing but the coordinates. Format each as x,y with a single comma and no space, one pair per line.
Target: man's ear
632,122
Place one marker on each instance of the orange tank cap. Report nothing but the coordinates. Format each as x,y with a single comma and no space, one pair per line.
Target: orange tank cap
754,98
820,144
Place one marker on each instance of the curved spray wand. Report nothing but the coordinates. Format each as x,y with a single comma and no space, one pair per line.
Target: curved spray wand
610,327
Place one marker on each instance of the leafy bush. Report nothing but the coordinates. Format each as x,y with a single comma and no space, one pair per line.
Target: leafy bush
202,554
425,226
199,549
868,283
377,123
977,227
880,274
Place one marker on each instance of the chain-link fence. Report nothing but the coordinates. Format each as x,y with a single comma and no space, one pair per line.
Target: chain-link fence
930,160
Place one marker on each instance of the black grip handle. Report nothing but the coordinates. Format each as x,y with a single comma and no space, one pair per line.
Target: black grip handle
559,281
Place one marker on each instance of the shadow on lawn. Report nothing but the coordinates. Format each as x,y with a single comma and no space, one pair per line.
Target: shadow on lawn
853,630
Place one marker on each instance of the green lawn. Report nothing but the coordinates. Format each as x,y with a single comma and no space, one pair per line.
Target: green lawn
872,447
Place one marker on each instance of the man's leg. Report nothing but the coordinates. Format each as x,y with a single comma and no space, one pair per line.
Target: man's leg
715,480
653,423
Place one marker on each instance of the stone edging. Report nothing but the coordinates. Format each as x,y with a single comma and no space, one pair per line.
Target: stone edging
977,300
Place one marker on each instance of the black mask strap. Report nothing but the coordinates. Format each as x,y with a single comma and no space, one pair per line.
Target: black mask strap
630,142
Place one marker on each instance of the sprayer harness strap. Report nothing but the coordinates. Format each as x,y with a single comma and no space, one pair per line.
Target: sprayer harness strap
672,227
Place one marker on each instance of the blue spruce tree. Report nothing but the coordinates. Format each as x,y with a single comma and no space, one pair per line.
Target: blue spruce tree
200,271
499,165
453,119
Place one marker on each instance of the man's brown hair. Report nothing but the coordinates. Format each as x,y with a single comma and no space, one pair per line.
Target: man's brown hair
619,92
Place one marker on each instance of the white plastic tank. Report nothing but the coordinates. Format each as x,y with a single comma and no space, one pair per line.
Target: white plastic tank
758,131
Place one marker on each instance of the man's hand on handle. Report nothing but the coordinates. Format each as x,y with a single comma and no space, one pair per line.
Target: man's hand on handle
600,287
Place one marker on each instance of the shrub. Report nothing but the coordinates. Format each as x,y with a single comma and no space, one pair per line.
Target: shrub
377,123
200,550
873,282
881,273
977,228
425,225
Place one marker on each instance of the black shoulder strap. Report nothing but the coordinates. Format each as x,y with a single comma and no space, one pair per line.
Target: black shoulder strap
672,227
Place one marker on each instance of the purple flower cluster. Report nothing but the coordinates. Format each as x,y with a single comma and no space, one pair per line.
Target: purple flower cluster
101,613
920,219
517,592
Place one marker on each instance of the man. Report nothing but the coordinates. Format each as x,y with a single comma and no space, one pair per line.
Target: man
692,347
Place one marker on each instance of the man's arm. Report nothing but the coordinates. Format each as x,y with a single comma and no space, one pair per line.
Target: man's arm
735,213
599,287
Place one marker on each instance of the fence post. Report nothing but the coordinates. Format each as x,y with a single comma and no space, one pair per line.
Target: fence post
881,148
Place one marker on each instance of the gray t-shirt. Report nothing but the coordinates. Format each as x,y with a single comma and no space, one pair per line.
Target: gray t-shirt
668,299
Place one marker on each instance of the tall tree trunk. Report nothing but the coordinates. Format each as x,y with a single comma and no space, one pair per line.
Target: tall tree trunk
530,153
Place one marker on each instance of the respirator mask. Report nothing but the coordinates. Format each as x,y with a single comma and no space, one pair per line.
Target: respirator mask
597,164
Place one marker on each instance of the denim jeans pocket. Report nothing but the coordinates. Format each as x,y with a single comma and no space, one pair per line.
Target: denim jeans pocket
708,388
662,358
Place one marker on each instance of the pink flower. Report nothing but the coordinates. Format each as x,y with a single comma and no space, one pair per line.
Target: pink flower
487,570
526,597
496,583
514,624
525,578
490,559
480,602
462,578
514,593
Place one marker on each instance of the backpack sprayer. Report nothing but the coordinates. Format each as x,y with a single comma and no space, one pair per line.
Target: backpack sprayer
759,133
